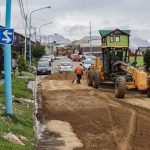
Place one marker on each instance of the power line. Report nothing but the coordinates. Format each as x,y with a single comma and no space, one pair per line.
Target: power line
27,8
21,9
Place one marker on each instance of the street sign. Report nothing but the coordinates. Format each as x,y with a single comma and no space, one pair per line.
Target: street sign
6,36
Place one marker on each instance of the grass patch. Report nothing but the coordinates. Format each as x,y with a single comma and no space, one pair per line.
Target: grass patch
19,88
21,123
140,60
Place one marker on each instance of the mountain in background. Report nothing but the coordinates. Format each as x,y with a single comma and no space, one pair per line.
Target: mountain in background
136,42
57,38
87,38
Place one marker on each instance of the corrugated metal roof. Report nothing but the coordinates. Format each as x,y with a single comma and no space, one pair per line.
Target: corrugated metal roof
107,32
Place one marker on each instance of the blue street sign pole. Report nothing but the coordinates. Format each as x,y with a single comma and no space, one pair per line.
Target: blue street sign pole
7,64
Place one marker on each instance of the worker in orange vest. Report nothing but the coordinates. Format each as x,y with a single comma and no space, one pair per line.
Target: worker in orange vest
79,73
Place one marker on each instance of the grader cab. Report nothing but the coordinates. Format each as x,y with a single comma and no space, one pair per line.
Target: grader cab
114,66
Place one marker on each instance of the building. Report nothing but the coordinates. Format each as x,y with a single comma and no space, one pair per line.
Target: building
143,49
95,45
115,38
51,48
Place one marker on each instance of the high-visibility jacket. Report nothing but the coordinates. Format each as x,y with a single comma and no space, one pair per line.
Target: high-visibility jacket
79,70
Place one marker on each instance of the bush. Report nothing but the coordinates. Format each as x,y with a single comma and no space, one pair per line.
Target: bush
38,51
22,65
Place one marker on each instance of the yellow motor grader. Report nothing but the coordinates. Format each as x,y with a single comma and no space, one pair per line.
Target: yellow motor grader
114,66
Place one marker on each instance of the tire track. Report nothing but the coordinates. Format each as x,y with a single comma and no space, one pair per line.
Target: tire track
125,144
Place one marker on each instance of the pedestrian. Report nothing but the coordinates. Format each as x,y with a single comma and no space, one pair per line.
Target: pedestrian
79,73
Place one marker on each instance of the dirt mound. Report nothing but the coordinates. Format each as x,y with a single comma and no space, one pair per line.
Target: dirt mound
63,76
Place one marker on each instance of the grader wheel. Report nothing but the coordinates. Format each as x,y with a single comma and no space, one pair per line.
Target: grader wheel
96,80
120,87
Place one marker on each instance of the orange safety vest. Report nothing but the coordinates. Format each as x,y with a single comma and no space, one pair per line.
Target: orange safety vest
78,70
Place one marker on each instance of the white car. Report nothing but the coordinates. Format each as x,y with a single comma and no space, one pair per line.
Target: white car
58,57
65,67
47,57
87,63
43,59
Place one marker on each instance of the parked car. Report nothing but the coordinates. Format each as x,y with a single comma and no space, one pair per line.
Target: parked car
76,58
91,57
65,67
43,68
58,57
44,59
84,56
52,57
87,63
48,57
71,56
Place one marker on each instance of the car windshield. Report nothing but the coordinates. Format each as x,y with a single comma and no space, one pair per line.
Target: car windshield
43,59
43,65
46,57
65,64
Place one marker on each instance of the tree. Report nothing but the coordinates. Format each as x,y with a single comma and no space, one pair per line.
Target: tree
22,65
147,59
38,51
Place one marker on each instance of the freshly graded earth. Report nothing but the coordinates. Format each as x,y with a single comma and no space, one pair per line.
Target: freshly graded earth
93,118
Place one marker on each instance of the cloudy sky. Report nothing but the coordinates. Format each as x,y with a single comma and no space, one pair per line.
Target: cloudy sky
71,18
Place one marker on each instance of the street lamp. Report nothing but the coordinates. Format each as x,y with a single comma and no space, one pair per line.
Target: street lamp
41,27
30,45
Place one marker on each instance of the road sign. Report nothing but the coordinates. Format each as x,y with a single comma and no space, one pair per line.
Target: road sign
6,36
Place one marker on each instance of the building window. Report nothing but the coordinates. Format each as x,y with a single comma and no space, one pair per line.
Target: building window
117,38
111,39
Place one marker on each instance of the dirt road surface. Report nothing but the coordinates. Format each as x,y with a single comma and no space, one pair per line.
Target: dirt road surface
78,117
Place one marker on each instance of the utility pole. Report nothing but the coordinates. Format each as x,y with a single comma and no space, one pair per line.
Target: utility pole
30,26
83,49
7,64
91,50
41,27
25,43
35,33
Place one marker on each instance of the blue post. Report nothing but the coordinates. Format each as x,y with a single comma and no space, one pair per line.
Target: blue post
7,64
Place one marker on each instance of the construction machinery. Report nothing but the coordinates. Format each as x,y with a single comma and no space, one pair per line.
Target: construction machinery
114,66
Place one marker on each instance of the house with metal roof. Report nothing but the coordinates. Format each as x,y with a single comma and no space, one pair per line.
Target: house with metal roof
115,38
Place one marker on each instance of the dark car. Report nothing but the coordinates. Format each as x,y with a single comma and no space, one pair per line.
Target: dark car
43,68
